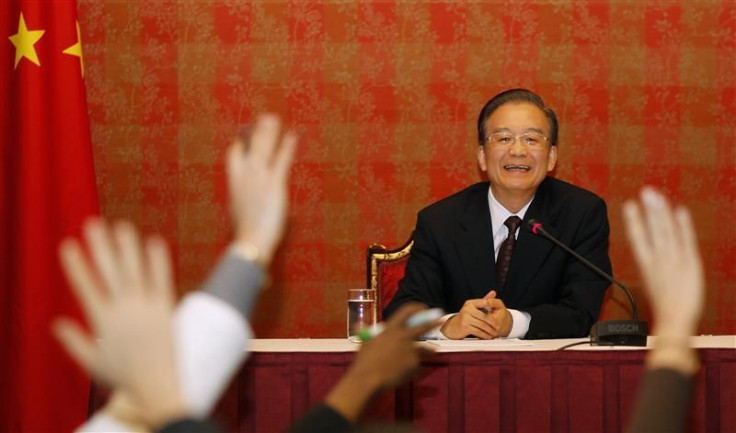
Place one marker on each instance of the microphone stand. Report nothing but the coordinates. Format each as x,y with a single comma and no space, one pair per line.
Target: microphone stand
610,332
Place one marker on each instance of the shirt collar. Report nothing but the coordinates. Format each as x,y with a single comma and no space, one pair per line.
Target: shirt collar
500,214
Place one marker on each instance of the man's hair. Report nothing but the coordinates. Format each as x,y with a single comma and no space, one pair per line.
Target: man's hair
516,96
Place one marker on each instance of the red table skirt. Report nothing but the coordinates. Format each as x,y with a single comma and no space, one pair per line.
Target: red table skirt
573,391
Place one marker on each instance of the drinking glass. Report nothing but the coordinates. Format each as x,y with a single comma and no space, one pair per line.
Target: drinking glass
361,311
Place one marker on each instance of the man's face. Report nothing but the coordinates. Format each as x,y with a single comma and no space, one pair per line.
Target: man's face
518,169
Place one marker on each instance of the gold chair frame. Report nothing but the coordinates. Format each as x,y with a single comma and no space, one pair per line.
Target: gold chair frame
377,254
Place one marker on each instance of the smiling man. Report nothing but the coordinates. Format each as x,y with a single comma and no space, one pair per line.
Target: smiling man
473,255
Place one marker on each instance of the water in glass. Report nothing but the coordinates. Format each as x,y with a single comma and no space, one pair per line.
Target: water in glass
360,311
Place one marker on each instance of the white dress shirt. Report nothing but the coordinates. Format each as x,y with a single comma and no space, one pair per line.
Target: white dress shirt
499,215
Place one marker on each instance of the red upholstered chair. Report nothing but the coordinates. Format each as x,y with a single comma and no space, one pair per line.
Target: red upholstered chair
384,269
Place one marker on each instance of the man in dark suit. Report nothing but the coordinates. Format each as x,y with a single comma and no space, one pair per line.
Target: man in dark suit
473,255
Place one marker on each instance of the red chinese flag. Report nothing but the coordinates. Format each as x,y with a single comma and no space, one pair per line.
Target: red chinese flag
47,188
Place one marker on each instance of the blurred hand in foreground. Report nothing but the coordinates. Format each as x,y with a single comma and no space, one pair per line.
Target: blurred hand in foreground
666,251
126,291
383,362
665,248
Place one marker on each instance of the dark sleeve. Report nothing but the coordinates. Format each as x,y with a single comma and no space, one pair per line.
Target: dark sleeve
190,425
323,419
422,280
581,291
663,402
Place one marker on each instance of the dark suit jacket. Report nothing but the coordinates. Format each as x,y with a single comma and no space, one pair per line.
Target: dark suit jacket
452,259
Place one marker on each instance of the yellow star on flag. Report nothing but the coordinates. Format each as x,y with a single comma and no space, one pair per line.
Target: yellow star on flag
24,41
76,49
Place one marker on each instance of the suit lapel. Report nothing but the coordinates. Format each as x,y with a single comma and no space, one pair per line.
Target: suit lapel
531,250
474,243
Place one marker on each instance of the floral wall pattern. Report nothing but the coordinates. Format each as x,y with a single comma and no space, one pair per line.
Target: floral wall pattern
385,95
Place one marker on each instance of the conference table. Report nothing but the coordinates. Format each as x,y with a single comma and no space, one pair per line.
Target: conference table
478,386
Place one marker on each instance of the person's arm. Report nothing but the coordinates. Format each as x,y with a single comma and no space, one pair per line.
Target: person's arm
383,362
665,248
190,425
210,330
257,181
128,302
209,324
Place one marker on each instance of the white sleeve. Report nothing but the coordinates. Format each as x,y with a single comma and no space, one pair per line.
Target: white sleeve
212,340
436,334
209,333
520,324
103,423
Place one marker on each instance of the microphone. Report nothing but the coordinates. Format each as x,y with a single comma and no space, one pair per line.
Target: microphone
611,332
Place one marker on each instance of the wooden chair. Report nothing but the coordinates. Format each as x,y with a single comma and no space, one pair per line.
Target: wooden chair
384,269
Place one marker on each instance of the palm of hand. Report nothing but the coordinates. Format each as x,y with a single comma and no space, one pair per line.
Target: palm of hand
665,247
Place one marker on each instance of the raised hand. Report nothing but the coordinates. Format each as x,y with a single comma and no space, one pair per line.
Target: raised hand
126,291
258,169
665,248
383,362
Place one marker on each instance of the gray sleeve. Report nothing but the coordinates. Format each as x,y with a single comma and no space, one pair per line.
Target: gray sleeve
237,282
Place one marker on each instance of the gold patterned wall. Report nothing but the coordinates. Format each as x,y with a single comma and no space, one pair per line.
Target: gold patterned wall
385,95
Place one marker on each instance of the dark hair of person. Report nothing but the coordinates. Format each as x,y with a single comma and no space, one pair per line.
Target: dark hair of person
516,96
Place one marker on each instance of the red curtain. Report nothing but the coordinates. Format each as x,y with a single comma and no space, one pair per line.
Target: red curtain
47,188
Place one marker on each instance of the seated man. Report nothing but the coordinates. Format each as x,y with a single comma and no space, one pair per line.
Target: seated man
514,285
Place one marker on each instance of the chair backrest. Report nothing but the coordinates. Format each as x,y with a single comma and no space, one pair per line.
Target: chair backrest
384,269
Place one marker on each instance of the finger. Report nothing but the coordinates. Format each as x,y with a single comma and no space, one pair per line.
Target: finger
234,163
481,321
398,320
479,303
265,137
425,349
103,254
80,346
285,156
638,238
477,314
498,319
490,295
481,330
81,278
686,228
660,221
235,153
159,259
131,256
495,304
689,238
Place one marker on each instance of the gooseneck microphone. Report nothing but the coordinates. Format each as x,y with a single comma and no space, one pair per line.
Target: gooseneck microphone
611,332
